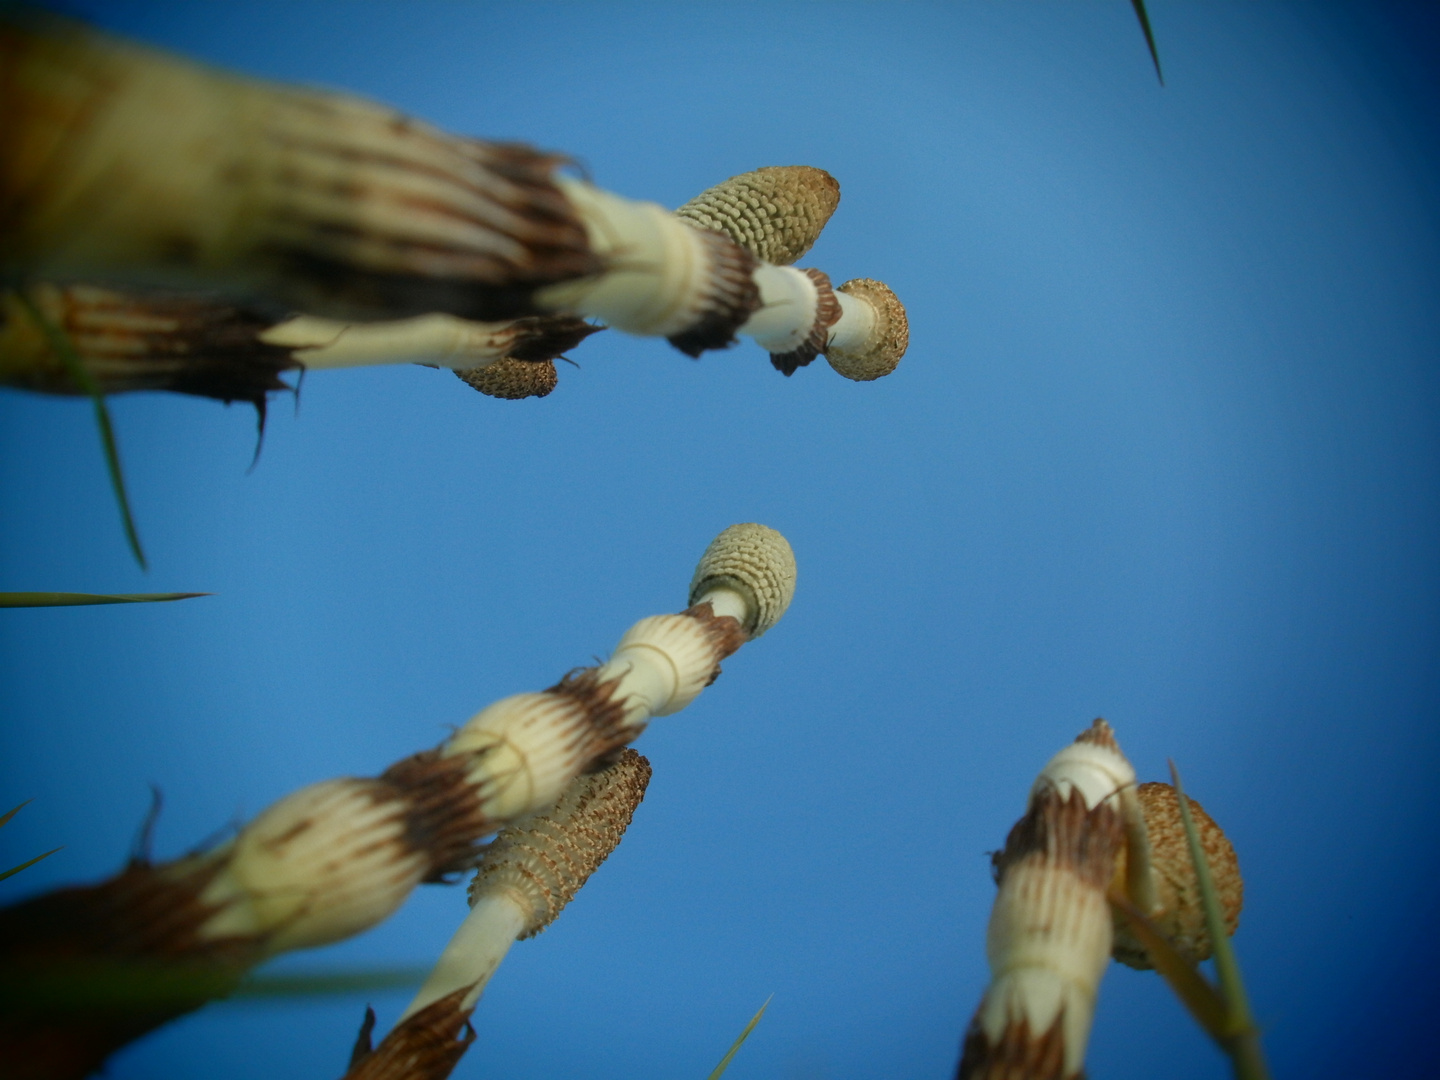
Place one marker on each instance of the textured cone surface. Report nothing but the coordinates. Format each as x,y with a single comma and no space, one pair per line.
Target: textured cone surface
547,857
888,340
1182,919
513,379
755,561
775,213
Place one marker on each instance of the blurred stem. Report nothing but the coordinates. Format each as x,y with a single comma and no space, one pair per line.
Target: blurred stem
60,342
1242,1038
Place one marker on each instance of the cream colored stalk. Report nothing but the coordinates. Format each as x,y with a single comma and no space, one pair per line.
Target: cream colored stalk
530,871
777,214
698,288
137,340
335,858
1049,937
121,163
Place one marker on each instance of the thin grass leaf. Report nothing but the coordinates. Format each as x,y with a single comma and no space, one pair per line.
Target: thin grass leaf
1242,1040
60,342
16,869
72,599
6,819
136,986
1197,995
735,1047
328,983
1144,17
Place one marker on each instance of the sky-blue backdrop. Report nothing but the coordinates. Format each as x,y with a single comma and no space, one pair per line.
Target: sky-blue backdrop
1164,449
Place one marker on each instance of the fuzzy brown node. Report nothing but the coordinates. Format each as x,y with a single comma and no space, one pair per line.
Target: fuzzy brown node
725,633
130,340
366,266
1066,834
85,970
605,729
444,815
427,1045
352,248
1017,1056
731,299
827,314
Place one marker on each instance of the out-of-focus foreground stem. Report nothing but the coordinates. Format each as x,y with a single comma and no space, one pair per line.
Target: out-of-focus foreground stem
85,970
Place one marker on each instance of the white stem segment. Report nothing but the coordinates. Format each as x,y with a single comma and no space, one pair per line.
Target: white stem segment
442,340
659,275
493,925
1050,936
533,870
857,321
788,302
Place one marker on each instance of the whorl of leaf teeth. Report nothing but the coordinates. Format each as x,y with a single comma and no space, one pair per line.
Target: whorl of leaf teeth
776,213
335,858
1180,916
140,341
1049,936
126,164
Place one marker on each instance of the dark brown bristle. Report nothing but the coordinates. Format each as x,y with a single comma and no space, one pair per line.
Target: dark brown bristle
827,314
427,1045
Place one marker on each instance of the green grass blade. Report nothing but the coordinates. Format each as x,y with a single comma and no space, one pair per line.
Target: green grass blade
140,986
16,869
1144,17
61,344
6,819
735,1048
328,983
1242,1037
1195,993
71,599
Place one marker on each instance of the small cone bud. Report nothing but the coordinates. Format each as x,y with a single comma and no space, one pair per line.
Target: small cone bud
513,379
756,563
546,858
887,336
1181,917
775,213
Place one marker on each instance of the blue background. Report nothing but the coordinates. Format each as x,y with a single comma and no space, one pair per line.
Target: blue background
1164,449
